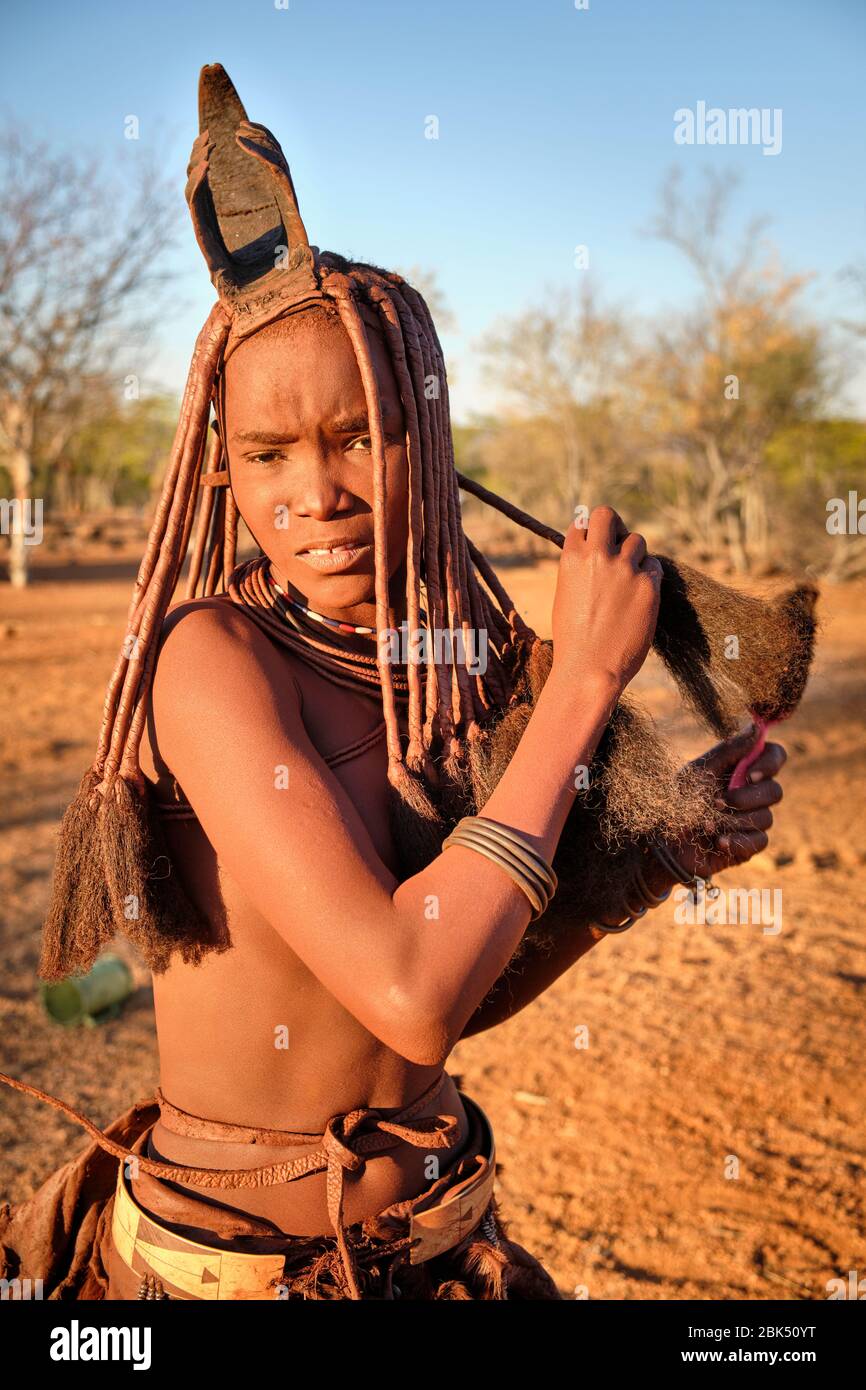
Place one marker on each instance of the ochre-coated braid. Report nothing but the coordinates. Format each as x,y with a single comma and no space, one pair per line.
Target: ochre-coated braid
415,753
205,511
339,287
446,496
162,558
439,720
213,565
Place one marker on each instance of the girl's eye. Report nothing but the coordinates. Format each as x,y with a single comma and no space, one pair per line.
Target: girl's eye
365,444
269,457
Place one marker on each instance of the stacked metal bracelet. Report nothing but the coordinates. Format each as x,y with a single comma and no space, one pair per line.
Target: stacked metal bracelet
693,881
513,853
646,899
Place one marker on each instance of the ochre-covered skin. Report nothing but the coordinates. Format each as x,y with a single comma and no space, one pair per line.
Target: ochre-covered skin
325,939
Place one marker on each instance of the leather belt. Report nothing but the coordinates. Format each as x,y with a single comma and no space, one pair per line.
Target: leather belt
199,1271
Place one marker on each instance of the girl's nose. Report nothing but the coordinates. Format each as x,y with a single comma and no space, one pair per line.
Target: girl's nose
320,493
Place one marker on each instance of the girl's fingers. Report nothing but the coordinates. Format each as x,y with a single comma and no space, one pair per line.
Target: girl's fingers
749,817
652,567
753,795
770,762
761,819
723,758
606,528
726,755
737,847
634,547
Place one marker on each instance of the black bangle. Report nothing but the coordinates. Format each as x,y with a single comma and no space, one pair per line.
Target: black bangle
692,881
651,899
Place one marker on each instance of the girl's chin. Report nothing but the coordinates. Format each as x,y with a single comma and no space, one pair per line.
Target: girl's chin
331,592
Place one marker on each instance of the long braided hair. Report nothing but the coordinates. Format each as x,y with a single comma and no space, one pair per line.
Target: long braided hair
113,870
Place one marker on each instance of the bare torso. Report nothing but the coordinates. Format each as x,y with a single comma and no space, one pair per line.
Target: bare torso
222,1026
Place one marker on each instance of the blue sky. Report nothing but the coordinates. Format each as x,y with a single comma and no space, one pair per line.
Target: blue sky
555,129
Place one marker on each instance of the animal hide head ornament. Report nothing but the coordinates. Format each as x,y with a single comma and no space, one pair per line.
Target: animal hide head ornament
245,214
461,728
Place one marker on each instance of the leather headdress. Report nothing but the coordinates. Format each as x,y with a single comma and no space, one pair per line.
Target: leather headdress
245,214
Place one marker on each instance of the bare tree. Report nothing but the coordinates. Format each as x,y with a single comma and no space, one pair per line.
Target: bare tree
723,378
80,269
565,367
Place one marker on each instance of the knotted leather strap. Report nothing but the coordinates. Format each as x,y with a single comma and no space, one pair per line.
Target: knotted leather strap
347,1142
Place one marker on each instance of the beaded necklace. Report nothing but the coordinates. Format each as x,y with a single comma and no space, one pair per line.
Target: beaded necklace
358,630
284,600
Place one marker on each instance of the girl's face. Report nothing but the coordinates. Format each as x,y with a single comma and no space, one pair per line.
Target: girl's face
301,466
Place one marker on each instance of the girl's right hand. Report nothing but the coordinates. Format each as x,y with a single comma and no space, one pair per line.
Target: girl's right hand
606,604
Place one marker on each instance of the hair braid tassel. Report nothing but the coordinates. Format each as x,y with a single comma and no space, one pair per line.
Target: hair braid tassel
113,870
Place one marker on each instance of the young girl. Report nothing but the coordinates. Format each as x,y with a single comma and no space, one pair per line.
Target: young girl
269,810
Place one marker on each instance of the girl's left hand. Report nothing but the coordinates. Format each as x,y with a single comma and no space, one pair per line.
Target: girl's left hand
750,816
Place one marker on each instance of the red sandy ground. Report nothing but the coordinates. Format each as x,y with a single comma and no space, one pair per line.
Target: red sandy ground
704,1042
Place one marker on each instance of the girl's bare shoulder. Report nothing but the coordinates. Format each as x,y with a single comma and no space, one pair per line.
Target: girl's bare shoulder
210,648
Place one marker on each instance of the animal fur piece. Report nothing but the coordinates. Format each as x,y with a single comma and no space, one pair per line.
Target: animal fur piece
730,653
637,791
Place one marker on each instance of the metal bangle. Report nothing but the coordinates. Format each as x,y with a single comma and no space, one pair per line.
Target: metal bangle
651,899
692,881
668,862
516,872
506,855
666,859
622,926
520,843
647,898
639,911
514,850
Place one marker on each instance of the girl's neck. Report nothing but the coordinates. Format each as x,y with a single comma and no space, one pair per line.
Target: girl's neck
354,631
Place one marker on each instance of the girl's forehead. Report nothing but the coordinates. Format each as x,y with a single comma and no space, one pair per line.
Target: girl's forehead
310,359
308,337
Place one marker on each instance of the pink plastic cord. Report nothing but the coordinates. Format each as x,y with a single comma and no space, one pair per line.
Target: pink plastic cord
739,775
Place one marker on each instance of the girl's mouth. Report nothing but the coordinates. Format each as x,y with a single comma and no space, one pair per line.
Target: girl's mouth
333,559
